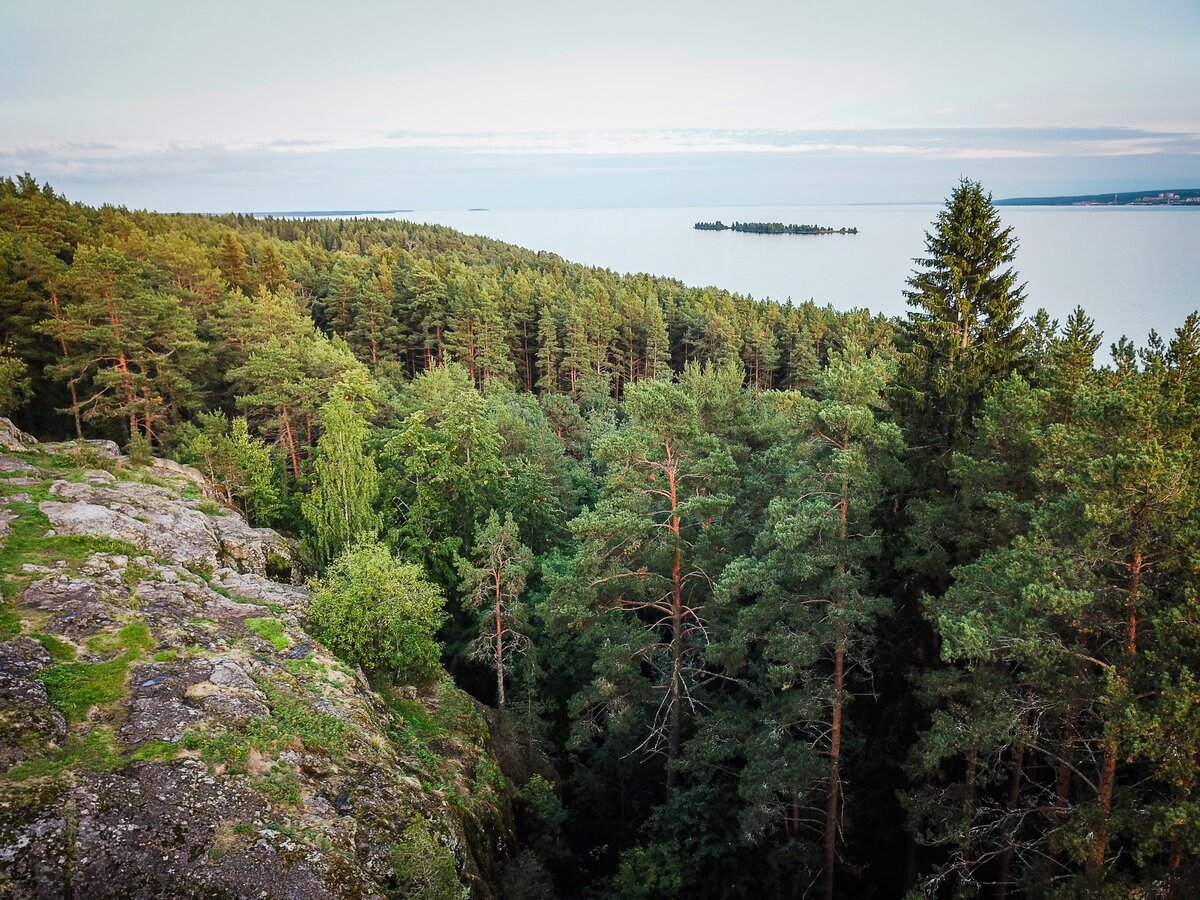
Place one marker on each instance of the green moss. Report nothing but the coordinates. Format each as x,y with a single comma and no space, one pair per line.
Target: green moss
203,569
132,637
424,867
281,784
165,656
94,749
279,568
135,574
28,544
75,687
155,751
56,647
271,630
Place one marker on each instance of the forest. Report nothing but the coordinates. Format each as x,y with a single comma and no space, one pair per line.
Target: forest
796,602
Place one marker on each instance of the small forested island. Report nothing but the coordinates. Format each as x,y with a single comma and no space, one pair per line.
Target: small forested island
364,558
771,228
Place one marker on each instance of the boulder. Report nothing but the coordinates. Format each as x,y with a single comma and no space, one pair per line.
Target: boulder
250,549
13,438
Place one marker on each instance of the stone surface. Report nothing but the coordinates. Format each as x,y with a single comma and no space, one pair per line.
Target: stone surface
223,768
28,721
13,438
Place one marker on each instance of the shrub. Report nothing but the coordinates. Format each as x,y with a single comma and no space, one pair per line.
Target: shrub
376,612
424,867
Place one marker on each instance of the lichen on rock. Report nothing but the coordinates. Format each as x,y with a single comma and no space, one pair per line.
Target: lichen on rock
167,728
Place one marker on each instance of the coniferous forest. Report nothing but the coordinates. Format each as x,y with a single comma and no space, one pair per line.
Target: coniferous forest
793,602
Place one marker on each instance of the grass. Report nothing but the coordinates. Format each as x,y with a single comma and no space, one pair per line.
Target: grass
93,749
169,655
271,630
10,622
28,544
280,784
290,721
75,687
58,649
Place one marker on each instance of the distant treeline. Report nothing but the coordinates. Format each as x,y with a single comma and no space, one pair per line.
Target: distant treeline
771,228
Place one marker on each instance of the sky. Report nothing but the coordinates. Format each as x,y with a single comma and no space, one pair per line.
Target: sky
301,105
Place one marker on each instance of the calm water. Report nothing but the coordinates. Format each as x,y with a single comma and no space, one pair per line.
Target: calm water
1131,268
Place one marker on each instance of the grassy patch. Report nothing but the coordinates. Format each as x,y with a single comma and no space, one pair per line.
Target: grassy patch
58,649
281,784
75,687
291,721
93,749
132,637
271,630
10,622
155,751
28,544
169,655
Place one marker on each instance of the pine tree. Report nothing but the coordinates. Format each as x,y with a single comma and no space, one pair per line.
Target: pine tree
642,547
493,583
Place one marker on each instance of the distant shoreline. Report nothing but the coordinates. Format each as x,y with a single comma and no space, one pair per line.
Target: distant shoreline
314,213
1187,197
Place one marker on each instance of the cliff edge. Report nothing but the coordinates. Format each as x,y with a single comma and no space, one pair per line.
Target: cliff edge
168,729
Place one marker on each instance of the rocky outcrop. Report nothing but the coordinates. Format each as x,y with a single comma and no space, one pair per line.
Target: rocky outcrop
168,729
13,438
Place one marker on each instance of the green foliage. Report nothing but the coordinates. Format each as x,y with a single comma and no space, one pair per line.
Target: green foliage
240,466
649,872
493,585
340,508
14,381
423,867
281,784
270,630
93,749
376,612
292,719
979,598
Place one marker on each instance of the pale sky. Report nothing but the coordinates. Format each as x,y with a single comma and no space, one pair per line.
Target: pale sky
300,105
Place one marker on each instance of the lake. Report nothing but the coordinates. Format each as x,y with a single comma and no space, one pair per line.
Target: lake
1131,268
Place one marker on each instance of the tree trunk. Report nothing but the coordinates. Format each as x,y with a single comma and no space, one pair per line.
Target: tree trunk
499,643
835,747
676,737
1014,797
1112,742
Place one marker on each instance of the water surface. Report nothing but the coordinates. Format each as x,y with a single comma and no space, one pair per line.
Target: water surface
1131,268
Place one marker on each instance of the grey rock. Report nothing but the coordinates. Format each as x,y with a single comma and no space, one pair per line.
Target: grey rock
147,516
77,606
12,464
29,724
246,547
13,438
255,587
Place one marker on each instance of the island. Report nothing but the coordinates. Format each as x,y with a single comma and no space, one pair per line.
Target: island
771,228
